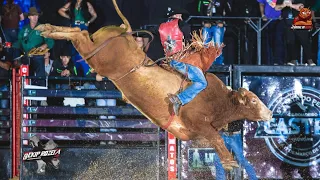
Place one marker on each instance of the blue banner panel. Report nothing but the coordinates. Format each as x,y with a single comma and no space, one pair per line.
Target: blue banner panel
288,145
110,110
72,93
117,123
200,159
96,136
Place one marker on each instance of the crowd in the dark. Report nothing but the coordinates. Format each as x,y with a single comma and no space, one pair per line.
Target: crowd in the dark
280,43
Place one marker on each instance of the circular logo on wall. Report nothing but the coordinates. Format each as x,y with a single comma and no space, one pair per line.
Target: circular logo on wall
292,133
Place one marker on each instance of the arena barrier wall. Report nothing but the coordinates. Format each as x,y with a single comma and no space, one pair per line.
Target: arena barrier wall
289,144
5,128
93,147
114,141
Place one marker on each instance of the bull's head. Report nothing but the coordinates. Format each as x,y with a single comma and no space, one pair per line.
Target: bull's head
252,107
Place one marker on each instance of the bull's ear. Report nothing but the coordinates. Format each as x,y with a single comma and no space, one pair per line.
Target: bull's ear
242,92
242,100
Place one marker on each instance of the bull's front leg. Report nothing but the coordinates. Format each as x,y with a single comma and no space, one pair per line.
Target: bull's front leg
61,35
225,156
49,27
216,141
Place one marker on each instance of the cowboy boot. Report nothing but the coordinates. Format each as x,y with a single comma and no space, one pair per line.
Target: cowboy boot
176,103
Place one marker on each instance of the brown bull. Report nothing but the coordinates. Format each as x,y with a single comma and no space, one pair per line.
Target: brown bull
147,88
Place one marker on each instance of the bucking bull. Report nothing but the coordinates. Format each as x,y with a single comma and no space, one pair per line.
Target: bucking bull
112,52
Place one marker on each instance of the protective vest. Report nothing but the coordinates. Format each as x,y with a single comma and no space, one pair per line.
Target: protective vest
171,37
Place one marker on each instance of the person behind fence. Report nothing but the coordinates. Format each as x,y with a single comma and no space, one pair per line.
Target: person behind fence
232,138
48,63
273,53
172,34
79,12
142,40
29,39
214,33
64,67
11,15
217,8
289,10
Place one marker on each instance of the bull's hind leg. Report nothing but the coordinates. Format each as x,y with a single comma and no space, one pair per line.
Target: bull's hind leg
49,27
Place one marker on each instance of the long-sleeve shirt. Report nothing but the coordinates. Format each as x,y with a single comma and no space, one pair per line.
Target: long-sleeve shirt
29,38
58,67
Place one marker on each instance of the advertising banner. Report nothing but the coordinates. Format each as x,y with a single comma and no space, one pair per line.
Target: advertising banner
288,145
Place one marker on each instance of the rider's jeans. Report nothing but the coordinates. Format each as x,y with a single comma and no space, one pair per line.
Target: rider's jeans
234,144
195,75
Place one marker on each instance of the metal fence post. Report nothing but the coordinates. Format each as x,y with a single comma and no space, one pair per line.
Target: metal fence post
259,42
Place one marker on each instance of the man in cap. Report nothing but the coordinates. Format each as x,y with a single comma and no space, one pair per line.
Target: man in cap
142,39
28,39
172,34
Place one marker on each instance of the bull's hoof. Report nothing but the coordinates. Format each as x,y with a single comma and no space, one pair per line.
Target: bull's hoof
44,27
229,165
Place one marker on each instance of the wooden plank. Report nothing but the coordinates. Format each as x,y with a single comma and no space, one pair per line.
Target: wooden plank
117,123
96,136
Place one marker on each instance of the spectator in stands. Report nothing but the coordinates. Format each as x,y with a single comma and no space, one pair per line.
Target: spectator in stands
142,40
48,63
289,10
316,8
11,15
218,8
246,8
48,68
79,12
28,38
274,39
215,34
64,67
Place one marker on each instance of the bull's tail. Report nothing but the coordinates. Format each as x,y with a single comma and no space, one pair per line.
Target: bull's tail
124,19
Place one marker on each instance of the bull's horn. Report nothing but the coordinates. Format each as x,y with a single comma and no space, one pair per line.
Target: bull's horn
242,91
